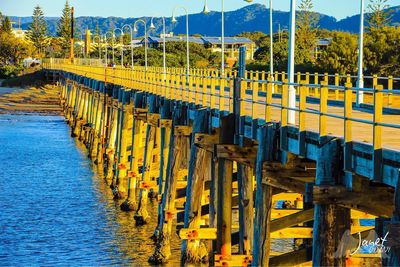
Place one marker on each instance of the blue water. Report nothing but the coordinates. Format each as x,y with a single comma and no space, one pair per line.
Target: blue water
55,209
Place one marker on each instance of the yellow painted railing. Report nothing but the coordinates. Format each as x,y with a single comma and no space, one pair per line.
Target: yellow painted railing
262,98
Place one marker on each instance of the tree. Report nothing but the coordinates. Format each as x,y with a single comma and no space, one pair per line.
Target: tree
1,22
382,46
64,28
280,54
379,15
306,33
37,30
341,54
97,30
12,51
6,25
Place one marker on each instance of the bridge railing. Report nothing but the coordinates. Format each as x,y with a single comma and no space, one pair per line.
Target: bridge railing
316,78
316,109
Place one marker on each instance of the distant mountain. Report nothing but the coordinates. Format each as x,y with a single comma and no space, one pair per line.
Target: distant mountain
352,24
247,19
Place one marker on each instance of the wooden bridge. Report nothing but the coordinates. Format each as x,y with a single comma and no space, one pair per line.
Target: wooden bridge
230,171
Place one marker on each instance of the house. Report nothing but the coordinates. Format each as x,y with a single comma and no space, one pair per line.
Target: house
154,42
321,46
214,44
19,33
231,45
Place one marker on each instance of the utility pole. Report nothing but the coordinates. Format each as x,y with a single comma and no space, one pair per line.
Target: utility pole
292,91
360,77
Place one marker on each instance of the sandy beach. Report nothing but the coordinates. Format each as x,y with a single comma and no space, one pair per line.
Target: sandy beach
42,100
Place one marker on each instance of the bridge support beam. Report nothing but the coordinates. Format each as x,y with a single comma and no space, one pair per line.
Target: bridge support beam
330,220
151,146
165,124
178,160
194,250
266,138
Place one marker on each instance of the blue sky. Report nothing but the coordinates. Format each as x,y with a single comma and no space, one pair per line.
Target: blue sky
135,8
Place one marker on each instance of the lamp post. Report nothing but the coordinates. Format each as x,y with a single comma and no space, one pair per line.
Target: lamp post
122,45
112,43
145,39
292,90
164,61
271,45
106,48
187,34
206,11
360,77
131,31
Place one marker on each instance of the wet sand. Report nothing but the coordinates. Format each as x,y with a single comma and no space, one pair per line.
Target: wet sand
42,100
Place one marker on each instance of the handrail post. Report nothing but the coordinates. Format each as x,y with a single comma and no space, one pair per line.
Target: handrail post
390,88
348,137
377,133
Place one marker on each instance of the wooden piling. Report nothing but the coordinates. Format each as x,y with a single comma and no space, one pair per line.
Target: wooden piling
224,208
266,137
330,221
179,144
194,250
141,215
246,210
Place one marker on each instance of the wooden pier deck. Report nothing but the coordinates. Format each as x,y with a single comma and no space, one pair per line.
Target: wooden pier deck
206,155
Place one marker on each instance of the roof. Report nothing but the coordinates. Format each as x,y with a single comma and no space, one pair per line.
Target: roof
227,40
201,40
324,41
197,40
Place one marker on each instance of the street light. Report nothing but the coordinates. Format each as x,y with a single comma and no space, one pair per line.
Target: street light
187,33
122,45
164,61
130,28
360,77
271,44
206,10
292,90
112,43
135,29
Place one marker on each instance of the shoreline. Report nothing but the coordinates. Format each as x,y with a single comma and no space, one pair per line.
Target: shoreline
43,100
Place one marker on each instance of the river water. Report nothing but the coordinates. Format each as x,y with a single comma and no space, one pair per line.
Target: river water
55,208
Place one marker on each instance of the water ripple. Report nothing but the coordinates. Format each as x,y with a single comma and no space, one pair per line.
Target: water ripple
55,209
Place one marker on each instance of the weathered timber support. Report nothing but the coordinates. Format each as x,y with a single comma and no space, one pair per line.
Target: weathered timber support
130,203
117,145
267,149
73,97
88,127
94,144
177,160
123,164
165,124
101,131
110,147
330,220
142,215
393,231
246,210
77,118
194,250
83,130
224,207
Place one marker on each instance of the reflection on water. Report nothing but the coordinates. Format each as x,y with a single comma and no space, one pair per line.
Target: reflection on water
55,208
